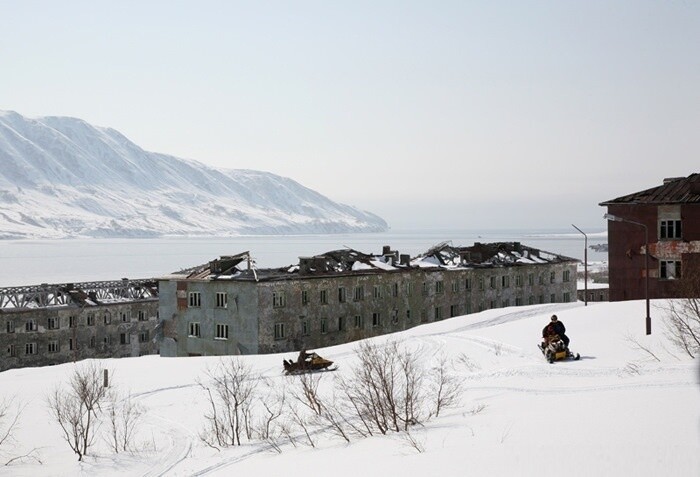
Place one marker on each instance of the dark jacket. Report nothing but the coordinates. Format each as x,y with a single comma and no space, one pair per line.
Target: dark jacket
554,328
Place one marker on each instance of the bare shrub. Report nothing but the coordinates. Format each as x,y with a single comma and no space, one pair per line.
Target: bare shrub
683,315
325,411
273,404
446,388
77,408
124,416
386,389
230,391
10,413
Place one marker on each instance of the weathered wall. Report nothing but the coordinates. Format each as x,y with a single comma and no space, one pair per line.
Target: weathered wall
404,299
626,251
90,337
240,315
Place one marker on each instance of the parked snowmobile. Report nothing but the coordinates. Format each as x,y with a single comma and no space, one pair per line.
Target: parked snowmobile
307,363
554,349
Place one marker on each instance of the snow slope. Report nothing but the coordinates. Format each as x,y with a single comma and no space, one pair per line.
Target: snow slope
616,412
62,177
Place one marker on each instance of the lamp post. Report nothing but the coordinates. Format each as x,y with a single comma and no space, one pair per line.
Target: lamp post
585,265
615,218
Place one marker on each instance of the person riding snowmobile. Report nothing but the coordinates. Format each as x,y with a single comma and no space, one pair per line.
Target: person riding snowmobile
555,327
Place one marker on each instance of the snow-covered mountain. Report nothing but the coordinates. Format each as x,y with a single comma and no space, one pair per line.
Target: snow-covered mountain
62,177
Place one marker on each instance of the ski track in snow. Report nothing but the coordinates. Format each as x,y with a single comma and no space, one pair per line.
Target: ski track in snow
180,438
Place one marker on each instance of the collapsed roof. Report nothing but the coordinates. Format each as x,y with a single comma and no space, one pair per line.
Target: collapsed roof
350,261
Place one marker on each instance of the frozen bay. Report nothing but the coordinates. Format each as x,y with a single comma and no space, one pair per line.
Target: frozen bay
32,262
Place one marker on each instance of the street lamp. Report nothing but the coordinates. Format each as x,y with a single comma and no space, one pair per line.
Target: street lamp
615,218
585,265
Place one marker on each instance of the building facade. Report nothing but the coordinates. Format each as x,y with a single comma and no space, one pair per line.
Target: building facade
228,307
670,215
52,324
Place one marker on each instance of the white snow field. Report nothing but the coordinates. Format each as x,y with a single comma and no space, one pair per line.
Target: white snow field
619,411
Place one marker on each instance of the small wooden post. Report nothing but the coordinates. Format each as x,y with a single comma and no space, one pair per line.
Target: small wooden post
106,379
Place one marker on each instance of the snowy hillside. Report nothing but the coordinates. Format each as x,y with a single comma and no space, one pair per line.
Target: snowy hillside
619,411
62,177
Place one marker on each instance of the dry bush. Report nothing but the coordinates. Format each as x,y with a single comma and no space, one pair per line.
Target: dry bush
124,416
386,389
77,408
683,315
230,391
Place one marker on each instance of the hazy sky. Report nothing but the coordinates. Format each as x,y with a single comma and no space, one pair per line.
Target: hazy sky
450,114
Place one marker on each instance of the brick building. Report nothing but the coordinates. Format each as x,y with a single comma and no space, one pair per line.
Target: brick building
229,307
51,324
671,214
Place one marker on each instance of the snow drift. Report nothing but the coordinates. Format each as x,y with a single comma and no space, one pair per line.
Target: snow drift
628,407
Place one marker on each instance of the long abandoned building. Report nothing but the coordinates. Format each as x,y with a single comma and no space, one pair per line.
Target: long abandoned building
51,324
229,307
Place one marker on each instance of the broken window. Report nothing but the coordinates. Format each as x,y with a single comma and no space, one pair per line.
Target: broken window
304,297
124,338
670,269
377,291
324,296
30,348
376,319
359,293
10,326
439,287
194,329
279,331
53,323
53,346
670,229
30,325
279,299
221,300
221,331
91,319
341,295
358,321
194,299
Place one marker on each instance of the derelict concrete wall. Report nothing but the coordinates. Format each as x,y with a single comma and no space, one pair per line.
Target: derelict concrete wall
102,331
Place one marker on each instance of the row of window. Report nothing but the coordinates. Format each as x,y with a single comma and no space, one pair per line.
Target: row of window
194,299
54,322
220,330
279,298
54,346
357,322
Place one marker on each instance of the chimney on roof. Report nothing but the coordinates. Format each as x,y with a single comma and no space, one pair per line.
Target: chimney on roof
405,259
695,185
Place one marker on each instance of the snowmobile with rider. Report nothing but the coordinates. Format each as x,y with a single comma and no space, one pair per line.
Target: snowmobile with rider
555,343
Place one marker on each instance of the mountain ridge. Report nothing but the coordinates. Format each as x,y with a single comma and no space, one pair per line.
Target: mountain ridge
63,177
